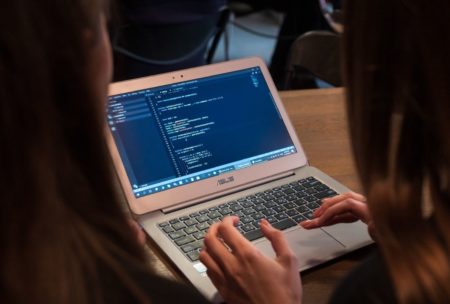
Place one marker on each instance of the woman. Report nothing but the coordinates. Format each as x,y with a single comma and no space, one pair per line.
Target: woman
64,237
397,67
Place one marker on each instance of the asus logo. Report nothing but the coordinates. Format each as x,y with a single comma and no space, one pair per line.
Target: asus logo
226,180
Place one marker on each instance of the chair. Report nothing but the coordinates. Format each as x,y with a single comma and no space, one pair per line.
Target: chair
315,54
146,50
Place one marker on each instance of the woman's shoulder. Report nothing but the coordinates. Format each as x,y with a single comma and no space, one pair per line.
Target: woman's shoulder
367,283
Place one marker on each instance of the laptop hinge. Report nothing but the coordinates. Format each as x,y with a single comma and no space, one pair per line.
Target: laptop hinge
227,192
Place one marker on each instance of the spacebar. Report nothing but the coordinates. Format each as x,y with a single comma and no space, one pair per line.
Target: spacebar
256,234
253,235
285,224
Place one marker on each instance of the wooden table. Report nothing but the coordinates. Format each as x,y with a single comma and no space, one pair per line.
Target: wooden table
320,121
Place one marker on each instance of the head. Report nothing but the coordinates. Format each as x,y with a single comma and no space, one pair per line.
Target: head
60,216
397,69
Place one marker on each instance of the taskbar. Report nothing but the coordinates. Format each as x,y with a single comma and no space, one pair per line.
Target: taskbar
192,178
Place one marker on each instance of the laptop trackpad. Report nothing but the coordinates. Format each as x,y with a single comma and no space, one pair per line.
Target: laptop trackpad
312,247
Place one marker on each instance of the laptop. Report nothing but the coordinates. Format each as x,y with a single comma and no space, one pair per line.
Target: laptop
193,146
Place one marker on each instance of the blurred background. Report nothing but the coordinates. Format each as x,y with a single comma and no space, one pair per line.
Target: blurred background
298,39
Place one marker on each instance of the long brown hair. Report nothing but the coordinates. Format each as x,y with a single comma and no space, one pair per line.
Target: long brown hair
61,224
397,67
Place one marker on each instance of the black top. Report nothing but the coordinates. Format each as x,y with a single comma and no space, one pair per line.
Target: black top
156,289
367,283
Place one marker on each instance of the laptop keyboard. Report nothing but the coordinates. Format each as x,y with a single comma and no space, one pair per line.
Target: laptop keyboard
283,206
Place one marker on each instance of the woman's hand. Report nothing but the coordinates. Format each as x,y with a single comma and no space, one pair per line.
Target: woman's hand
242,274
344,208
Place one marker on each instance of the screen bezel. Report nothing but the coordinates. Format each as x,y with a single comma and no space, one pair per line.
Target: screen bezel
203,188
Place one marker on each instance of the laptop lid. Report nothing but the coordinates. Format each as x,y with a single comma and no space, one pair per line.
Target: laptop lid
180,136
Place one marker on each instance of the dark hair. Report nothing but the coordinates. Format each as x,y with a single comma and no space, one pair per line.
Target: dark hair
397,67
61,222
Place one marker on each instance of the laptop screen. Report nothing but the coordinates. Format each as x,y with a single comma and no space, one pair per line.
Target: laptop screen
181,133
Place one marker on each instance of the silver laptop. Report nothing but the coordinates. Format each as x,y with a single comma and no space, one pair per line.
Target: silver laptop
193,146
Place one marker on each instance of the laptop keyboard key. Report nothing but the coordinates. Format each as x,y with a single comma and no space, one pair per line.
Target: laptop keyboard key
325,194
288,191
268,212
310,199
298,188
178,226
260,208
291,198
321,187
236,207
302,209
270,204
249,211
278,194
193,255
311,191
176,235
258,216
225,211
246,219
311,183
192,246
289,205
292,212
246,204
268,197
301,194
214,214
247,227
216,220
279,209
239,214
281,216
202,226
300,202
280,200
256,224
202,218
285,224
313,206
299,218
163,224
309,215
190,230
199,235
258,201
168,229
190,222
272,219
253,235
184,240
